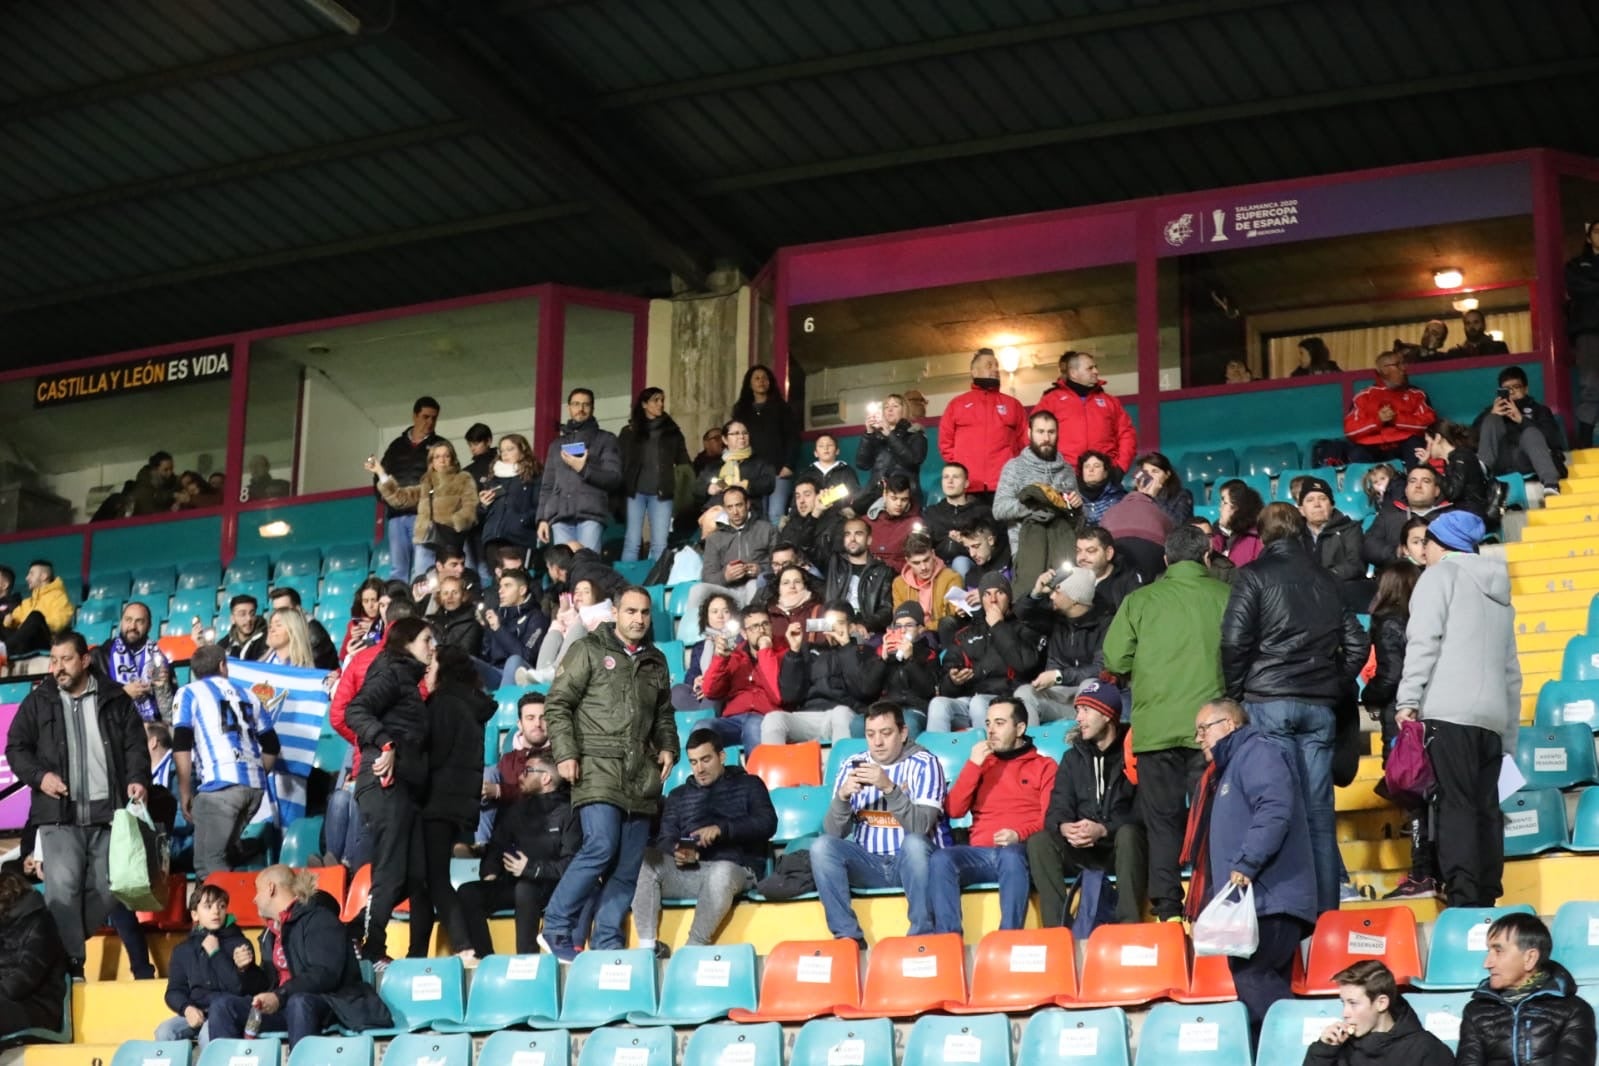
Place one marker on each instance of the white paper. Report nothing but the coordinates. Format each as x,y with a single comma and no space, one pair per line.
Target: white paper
956,598
1442,1024
1521,823
427,988
1593,660
1366,944
1028,958
1510,778
1578,711
1593,932
814,970
1075,1043
713,973
847,1053
522,968
631,1056
1314,1027
737,1055
157,1062
1138,955
1549,760
920,966
1477,937
527,1058
1198,1036
962,1047
244,1060
616,977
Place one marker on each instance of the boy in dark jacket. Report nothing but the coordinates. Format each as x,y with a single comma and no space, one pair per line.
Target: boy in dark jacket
1378,1027
216,960
910,669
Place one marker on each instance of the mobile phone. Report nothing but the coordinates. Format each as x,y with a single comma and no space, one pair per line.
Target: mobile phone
817,625
1141,479
1503,394
892,640
576,449
688,842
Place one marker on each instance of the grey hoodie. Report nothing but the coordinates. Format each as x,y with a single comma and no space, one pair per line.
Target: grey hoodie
1024,470
1460,647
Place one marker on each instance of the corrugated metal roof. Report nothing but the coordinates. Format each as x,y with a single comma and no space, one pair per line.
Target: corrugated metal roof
185,167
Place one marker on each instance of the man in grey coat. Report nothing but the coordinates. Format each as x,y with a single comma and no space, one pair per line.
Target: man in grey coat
1037,499
1462,679
736,561
581,470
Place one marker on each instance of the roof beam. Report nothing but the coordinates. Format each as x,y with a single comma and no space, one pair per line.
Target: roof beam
1093,131
242,170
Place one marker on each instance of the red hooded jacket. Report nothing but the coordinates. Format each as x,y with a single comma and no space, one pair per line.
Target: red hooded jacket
1094,423
982,431
1009,791
1412,414
749,686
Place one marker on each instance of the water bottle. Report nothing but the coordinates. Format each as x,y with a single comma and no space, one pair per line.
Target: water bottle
252,1024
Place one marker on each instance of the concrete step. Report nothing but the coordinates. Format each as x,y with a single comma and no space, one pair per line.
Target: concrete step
1373,855
1574,578
1558,516
1571,548
1579,531
1539,567
1531,642
1531,606
1572,500
1570,620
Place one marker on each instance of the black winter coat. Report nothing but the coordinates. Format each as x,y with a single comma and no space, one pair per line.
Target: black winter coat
1406,1044
1388,637
774,432
1091,785
1582,293
1000,657
1115,587
513,517
1465,482
1381,544
33,962
876,591
194,978
459,629
322,961
669,451
389,709
1285,633
456,717
914,682
324,653
819,676
839,474
901,450
1551,1026
737,803
943,517
37,745
541,825
1338,549
1076,646
759,477
1533,414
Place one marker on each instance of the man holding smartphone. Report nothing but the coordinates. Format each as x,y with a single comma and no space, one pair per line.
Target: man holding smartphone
583,467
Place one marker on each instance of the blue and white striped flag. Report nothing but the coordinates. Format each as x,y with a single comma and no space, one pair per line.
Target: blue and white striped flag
296,705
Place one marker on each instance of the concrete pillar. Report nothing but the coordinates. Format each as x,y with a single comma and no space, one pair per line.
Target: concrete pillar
698,351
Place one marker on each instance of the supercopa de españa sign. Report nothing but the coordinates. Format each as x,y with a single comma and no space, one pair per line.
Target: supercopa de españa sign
140,375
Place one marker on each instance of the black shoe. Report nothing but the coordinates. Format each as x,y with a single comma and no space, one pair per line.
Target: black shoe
661,950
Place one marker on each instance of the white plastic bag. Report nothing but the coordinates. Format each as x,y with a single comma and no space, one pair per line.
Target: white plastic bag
1227,925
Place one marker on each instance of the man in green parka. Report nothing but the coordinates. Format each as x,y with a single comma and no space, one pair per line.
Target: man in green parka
614,740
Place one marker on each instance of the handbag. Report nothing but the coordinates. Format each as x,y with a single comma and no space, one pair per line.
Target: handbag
1227,925
140,859
1408,776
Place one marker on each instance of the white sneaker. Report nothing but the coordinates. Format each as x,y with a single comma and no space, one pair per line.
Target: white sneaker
527,675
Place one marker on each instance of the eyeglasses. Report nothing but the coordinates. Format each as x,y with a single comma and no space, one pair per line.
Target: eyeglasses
758,625
1204,727
533,770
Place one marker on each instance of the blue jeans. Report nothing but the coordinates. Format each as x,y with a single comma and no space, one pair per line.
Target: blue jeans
1305,730
401,528
777,502
303,1014
839,862
946,714
660,514
743,729
952,869
345,831
962,565
586,533
612,852
915,724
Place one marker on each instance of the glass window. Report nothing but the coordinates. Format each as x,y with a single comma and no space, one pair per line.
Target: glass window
850,352
598,356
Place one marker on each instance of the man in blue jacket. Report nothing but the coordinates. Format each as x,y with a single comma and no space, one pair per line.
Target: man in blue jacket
1258,836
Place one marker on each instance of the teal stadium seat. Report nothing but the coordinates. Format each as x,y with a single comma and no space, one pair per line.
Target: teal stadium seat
1285,481
603,987
1208,1034
153,581
338,589
1292,1025
702,984
1581,662
1535,822
800,811
842,752
1459,944
675,665
93,613
1585,825
341,557
627,1047
189,603
301,840
826,1041
1259,482
1556,757
258,589
1270,459
506,991
936,1040
247,569
152,1053
952,749
304,584
634,572
333,1051
1354,504
298,562
1440,1012
429,1049
332,751
332,616
1567,703
379,563
265,1051
420,993
1576,937
206,575
1207,468
112,585
748,1045
1085,1037
513,1048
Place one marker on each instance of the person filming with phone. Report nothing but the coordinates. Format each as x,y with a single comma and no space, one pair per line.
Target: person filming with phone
1517,434
583,467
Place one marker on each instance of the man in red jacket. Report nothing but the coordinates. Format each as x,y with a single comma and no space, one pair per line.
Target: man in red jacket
1090,419
983,428
1386,421
744,679
1005,786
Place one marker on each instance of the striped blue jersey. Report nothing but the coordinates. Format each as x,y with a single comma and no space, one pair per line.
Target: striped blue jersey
921,777
227,724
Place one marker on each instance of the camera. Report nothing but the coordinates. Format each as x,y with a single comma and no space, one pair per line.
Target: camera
817,625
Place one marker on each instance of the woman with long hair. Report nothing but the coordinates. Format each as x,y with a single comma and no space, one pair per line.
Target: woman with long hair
774,435
390,720
33,961
1412,538
1156,478
892,444
457,709
1236,536
510,496
288,639
446,503
1315,359
567,627
652,448
716,611
793,601
366,617
1099,483
1465,479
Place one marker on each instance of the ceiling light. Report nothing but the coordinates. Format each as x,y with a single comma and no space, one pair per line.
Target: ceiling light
1009,359
1464,304
1448,277
279,528
337,14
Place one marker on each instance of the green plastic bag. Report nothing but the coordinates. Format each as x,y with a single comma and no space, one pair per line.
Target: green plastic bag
140,859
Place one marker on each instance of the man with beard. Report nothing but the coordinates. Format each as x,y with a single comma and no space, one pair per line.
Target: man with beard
897,520
246,635
1478,340
1037,496
983,427
1114,577
583,467
858,579
133,662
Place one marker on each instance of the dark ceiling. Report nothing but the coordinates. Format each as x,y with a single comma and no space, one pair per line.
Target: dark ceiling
176,168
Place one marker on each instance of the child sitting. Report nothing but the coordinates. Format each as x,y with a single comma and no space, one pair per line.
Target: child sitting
215,960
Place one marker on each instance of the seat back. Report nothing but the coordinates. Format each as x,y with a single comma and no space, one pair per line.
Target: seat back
799,810
1211,1034
787,765
1285,481
247,570
508,989
676,666
1019,969
355,900
842,752
205,575
907,975
1131,964
152,1053
628,1047
303,839
1076,1038
153,581
936,1040
704,983
602,986
1556,757
1567,703
550,1047
1292,1025
1210,980
803,979
1459,945
1440,1013
830,1041
1581,661
419,992
1270,459
266,1051
1346,937
1585,829
111,585
1534,821
333,1051
952,749
1207,467
298,562
340,557
723,1045
429,1049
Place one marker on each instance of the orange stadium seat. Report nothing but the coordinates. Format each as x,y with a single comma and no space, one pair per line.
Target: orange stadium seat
1343,938
787,765
805,979
1127,965
1020,970
1210,982
910,975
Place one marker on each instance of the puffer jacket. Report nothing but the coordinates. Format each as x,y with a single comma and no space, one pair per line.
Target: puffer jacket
982,429
839,475
774,432
1338,549
195,979
1388,638
1258,825
567,495
667,448
389,710
943,517
912,682
443,498
37,745
50,600
876,606
1406,1043
1000,657
1091,784
612,713
737,803
544,827
819,676
1550,1025
456,717
901,450
1285,633
513,516
459,628
33,962
1076,646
